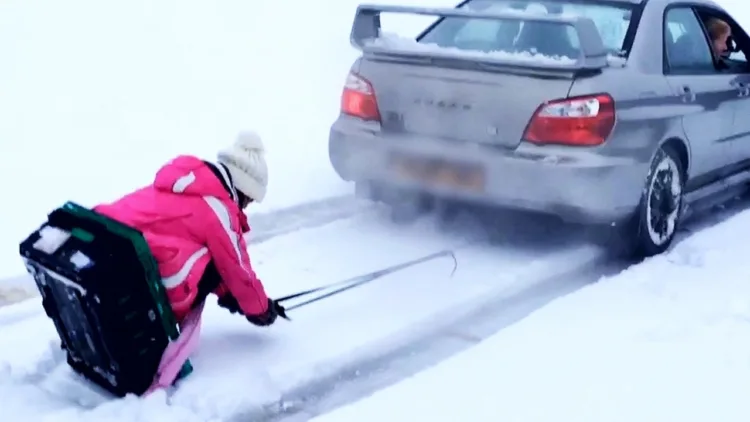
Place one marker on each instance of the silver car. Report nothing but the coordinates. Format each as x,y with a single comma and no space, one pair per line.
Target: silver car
624,113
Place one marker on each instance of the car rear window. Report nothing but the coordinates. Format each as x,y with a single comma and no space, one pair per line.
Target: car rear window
552,40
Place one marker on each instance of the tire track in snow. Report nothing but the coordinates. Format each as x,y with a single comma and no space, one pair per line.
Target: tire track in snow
13,294
419,348
265,226
442,340
312,214
514,251
431,347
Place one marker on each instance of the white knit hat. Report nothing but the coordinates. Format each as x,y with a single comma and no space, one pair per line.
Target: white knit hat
246,163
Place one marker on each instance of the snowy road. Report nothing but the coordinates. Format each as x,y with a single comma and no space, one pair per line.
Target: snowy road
339,349
486,320
667,339
324,338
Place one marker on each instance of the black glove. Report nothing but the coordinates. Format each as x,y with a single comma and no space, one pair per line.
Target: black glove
229,303
269,317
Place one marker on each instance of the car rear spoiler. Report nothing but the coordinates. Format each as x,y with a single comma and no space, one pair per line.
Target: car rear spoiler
366,29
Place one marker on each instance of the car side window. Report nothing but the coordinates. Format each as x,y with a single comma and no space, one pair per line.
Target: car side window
685,43
676,29
738,56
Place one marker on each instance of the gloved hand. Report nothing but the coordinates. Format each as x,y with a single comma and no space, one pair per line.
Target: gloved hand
269,317
229,303
274,310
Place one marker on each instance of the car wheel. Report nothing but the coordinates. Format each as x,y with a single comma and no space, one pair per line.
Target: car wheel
657,218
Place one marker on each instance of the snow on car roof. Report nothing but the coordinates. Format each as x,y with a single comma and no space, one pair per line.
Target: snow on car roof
396,42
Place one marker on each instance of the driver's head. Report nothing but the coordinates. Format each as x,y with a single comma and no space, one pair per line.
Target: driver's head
719,31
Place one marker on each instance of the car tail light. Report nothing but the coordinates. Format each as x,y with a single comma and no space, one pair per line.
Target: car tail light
577,121
358,98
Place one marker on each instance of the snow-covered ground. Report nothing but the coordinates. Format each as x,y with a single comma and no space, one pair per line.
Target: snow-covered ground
668,339
239,367
96,95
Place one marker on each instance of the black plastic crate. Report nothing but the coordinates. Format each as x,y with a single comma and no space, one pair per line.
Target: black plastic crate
101,287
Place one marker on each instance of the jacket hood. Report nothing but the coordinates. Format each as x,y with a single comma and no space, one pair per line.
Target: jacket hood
189,175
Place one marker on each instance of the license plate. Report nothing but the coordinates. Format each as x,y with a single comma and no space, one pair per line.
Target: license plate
436,172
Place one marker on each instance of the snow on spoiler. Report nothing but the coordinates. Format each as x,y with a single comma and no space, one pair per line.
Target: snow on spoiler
366,29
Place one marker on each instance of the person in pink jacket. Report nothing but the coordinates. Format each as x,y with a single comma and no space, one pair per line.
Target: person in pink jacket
193,221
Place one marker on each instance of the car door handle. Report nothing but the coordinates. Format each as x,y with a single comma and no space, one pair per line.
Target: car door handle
687,94
742,88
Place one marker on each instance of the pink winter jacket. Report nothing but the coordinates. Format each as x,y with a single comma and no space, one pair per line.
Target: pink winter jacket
189,218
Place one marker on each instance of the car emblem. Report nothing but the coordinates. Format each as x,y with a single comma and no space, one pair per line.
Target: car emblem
492,131
442,104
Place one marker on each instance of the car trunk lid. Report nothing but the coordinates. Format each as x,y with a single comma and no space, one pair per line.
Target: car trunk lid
462,95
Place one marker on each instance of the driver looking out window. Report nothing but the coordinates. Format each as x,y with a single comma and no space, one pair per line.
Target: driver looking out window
719,31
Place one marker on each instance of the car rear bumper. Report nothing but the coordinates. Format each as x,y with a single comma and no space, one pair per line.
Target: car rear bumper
578,185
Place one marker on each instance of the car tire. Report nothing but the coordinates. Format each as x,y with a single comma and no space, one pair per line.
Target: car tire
656,221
